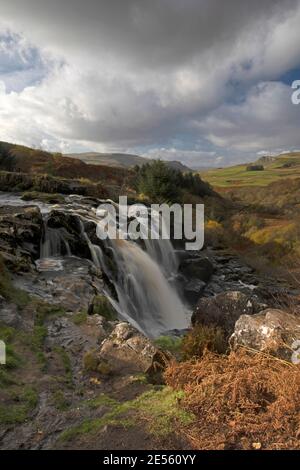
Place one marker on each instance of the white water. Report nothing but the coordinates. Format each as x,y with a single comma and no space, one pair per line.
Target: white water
144,292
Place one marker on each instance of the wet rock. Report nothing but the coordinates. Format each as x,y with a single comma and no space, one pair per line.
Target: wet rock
20,236
224,309
197,268
272,330
9,314
193,289
73,288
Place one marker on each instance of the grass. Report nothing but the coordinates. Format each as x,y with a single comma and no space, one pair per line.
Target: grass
59,400
19,412
159,409
79,318
238,176
8,291
102,306
65,359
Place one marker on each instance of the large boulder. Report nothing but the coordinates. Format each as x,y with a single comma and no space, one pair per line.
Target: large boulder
224,309
271,330
127,350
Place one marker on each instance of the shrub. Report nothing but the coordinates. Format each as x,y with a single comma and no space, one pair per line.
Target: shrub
201,338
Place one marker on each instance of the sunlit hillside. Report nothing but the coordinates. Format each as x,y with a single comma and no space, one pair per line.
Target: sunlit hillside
284,166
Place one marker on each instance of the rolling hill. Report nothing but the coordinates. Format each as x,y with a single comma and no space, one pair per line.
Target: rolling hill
283,166
120,160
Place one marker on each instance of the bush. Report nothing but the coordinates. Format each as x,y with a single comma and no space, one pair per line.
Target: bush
201,338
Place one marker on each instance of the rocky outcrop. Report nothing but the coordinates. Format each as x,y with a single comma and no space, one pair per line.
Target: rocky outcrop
271,330
20,236
13,181
224,309
73,287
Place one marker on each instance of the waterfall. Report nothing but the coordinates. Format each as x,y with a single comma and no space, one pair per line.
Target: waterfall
144,292
53,243
141,278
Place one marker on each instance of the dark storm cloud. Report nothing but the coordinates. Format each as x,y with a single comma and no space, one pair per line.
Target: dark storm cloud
154,33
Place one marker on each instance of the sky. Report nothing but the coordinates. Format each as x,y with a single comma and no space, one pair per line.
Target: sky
205,82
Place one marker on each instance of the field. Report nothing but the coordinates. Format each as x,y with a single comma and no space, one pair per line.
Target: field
284,166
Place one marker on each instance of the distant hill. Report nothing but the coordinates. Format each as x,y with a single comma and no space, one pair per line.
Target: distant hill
285,165
120,160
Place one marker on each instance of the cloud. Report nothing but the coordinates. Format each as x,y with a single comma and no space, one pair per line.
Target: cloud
195,80
266,119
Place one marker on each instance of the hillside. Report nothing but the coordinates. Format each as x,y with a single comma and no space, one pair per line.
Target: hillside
275,168
121,160
17,158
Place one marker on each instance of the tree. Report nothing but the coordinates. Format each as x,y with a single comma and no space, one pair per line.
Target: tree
159,183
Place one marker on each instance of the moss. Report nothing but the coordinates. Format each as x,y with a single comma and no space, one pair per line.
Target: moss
8,291
79,318
169,343
90,361
104,368
102,400
44,197
102,306
158,408
19,412
59,400
45,310
66,361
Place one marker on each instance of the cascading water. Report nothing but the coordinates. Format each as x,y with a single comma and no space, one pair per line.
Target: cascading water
53,245
141,278
144,292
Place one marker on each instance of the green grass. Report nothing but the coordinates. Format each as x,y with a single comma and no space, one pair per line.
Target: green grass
102,306
169,343
66,361
59,400
79,318
19,412
238,176
159,408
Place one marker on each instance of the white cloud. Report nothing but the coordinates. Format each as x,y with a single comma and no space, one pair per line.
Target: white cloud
193,82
